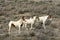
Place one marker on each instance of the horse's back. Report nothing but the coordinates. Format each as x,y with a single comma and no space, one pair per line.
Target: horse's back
42,18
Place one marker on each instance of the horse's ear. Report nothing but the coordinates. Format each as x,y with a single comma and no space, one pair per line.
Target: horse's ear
50,16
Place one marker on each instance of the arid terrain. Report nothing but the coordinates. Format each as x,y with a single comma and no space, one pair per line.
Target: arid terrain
13,9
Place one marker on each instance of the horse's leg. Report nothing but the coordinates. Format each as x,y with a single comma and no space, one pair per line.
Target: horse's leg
26,26
31,26
9,28
23,26
44,25
19,28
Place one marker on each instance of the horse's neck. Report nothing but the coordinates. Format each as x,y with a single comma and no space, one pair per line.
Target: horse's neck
46,17
34,18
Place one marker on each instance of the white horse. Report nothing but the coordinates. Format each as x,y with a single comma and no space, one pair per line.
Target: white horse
30,21
43,19
15,24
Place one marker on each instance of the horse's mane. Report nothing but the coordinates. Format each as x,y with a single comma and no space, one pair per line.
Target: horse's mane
23,18
37,17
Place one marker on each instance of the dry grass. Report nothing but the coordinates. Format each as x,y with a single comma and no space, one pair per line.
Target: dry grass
13,9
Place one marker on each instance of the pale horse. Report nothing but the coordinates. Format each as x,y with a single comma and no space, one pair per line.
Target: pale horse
43,19
18,23
31,21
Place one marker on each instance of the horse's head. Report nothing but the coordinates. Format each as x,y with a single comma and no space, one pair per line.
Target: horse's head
36,18
49,17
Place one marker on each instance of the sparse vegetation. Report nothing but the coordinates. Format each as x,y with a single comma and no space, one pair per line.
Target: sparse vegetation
12,10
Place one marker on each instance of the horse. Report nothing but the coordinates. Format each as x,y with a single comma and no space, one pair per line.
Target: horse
43,19
18,23
30,21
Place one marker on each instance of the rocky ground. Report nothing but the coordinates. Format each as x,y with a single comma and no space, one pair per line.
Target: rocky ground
13,9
